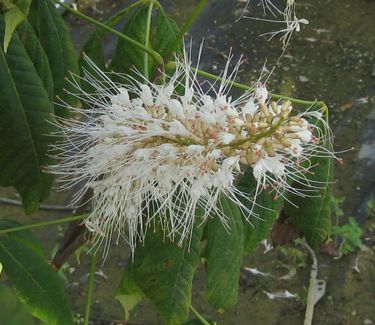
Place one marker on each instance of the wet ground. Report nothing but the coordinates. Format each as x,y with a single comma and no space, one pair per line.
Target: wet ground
331,59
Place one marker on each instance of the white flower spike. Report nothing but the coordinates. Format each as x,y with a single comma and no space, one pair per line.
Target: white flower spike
146,151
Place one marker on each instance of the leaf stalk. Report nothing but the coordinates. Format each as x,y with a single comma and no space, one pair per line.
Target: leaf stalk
90,289
321,104
43,224
147,38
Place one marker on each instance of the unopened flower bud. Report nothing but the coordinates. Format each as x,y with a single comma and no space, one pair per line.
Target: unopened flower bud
285,142
251,157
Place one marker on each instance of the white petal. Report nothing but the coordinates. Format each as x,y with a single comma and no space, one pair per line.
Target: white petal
175,108
146,95
250,108
275,166
122,98
195,149
177,128
226,137
261,93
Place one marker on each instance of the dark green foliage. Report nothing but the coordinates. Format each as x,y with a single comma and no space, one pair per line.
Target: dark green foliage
164,272
25,124
57,44
13,311
129,293
35,282
25,237
267,208
93,49
167,32
15,12
312,215
223,255
128,56
37,55
32,72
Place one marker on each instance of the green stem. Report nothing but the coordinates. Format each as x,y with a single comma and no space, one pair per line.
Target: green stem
320,104
147,38
90,289
153,53
258,136
189,22
245,87
199,316
215,77
43,224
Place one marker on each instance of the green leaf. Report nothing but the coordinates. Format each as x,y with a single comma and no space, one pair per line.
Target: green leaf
57,44
13,17
350,234
129,294
23,5
25,125
93,49
37,55
35,282
164,273
127,55
25,237
267,209
223,255
312,215
13,311
166,33
15,12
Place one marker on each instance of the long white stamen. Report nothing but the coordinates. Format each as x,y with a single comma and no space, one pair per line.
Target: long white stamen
150,154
